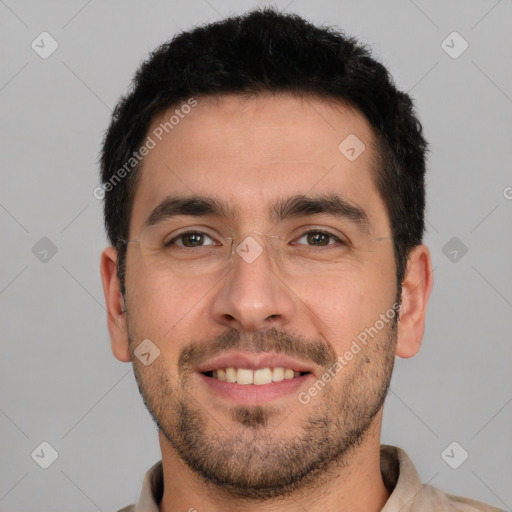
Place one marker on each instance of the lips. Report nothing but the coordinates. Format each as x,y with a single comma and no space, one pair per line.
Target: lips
252,378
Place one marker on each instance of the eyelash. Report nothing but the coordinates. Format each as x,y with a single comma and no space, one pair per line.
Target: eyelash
306,233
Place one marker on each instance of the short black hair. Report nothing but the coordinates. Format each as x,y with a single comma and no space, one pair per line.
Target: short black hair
261,52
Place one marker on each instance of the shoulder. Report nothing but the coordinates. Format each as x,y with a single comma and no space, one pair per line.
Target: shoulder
432,498
408,494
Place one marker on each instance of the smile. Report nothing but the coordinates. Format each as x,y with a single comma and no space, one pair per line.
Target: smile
257,377
249,378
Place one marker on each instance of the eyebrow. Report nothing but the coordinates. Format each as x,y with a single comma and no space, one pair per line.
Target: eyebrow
291,207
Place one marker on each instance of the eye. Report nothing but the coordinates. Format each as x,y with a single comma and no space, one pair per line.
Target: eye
190,240
317,238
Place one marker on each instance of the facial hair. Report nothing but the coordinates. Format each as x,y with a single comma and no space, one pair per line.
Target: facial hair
247,458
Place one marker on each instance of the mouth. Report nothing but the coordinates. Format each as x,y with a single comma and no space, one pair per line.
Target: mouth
258,377
251,379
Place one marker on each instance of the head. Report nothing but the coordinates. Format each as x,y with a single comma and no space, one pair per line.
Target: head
270,135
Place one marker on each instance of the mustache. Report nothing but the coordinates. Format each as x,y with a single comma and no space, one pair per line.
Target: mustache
271,340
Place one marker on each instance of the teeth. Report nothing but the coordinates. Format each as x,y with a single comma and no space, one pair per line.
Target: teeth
230,374
244,376
262,376
258,377
278,374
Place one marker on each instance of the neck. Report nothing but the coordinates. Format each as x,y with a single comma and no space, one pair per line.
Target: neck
354,484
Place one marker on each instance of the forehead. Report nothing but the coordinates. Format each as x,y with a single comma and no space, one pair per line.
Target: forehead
251,151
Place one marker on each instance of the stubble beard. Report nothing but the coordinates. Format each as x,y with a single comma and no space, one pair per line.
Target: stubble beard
252,458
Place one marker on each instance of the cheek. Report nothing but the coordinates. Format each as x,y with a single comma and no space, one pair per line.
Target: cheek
343,306
162,305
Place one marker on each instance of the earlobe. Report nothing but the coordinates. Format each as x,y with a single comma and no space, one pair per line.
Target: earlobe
416,288
114,301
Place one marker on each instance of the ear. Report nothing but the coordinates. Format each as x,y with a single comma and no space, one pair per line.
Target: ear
115,305
416,288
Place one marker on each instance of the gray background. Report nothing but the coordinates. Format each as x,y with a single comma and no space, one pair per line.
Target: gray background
59,381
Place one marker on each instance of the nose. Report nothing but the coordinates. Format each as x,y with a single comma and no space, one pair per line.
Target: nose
252,296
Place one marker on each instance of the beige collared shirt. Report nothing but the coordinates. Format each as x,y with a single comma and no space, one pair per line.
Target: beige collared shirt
399,475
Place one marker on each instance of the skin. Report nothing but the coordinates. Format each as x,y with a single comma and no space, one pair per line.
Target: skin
249,152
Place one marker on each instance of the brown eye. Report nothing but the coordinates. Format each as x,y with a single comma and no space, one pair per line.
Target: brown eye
317,238
190,240
193,239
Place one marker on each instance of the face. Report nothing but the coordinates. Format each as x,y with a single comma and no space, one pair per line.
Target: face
270,276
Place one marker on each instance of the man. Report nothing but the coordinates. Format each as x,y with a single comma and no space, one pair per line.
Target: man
264,197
